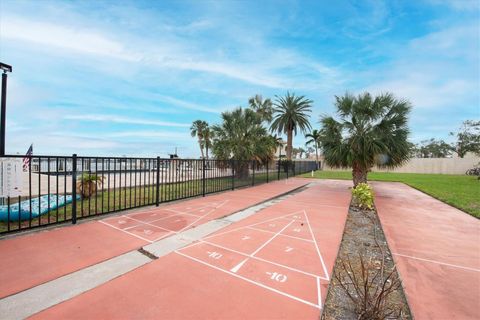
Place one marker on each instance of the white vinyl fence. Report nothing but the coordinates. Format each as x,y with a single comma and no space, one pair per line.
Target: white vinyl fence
432,165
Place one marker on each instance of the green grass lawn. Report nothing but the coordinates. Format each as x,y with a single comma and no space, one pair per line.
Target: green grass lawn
460,191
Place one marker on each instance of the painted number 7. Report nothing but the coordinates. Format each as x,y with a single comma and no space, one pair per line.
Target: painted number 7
277,276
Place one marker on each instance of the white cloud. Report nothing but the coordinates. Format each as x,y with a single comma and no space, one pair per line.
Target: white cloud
259,65
186,104
462,5
78,40
438,70
117,119
150,134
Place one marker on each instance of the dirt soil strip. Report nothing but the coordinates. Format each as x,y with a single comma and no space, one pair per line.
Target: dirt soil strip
274,264
436,250
35,258
363,237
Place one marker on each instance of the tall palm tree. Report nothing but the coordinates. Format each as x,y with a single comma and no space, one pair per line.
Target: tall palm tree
207,140
370,131
262,107
241,136
197,130
291,113
314,138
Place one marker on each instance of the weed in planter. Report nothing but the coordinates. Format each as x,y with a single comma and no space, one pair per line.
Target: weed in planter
368,286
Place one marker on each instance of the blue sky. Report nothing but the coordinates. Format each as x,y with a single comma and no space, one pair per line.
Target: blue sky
129,77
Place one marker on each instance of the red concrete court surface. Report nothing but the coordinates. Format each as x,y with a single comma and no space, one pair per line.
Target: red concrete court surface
275,264
30,260
436,250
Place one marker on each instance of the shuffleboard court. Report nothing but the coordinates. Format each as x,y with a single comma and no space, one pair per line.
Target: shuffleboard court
275,264
32,259
157,223
436,250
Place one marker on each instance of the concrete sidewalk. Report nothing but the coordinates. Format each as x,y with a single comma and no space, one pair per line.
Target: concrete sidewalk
436,249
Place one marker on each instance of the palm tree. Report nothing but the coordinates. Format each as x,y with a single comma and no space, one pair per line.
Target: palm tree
207,140
197,129
262,107
314,137
301,151
290,114
309,151
241,136
370,132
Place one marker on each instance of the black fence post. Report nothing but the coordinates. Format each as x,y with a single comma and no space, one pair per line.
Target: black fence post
157,190
203,177
233,174
253,175
267,170
74,188
288,166
278,165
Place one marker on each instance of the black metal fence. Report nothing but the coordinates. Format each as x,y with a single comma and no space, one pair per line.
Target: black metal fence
47,190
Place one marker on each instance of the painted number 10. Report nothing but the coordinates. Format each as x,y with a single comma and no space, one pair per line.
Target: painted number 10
277,276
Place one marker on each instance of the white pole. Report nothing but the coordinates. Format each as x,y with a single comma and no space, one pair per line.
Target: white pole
312,173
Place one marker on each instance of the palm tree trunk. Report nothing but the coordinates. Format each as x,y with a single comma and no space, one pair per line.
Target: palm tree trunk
289,144
316,155
201,148
359,174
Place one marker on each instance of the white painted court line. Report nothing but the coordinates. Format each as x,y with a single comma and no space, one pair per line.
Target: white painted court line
319,293
437,262
257,258
132,234
250,225
162,228
182,212
281,235
251,281
196,208
200,218
150,223
140,223
316,246
158,209
237,267
160,219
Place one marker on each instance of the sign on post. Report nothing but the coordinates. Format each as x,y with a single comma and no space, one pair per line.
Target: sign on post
10,177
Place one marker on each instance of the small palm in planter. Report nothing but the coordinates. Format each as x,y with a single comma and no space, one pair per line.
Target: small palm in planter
88,184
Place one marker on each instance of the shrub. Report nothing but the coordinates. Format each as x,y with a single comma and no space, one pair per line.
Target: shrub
363,196
369,286
88,184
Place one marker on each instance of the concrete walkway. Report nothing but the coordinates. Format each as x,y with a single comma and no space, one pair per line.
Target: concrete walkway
436,249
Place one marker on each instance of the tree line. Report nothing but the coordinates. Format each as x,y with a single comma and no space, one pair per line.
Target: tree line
366,131
467,139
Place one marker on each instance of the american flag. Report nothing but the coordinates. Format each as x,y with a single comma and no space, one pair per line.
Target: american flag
28,157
